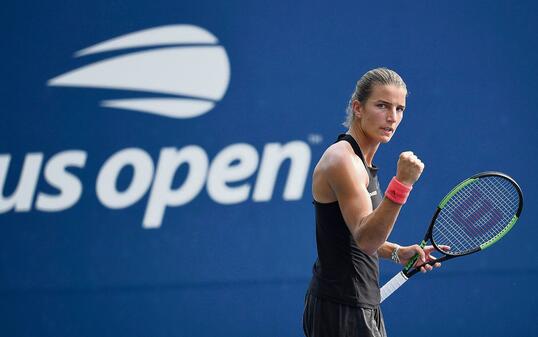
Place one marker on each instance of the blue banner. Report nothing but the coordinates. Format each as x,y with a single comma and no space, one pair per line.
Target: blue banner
156,159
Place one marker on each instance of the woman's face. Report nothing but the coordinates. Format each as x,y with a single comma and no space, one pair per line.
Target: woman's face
382,112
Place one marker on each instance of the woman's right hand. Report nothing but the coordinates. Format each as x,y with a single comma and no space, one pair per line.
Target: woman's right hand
409,169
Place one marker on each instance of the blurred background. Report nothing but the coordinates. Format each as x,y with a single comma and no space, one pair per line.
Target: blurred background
158,184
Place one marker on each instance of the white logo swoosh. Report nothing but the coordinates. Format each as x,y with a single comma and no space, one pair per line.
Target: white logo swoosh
199,74
164,35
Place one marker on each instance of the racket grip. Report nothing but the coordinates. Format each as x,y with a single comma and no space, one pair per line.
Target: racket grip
391,286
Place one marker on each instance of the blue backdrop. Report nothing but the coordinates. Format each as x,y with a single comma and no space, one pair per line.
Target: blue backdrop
93,239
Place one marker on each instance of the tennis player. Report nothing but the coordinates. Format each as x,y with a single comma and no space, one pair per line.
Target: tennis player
354,217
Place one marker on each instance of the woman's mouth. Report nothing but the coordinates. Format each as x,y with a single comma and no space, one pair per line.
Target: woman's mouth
387,130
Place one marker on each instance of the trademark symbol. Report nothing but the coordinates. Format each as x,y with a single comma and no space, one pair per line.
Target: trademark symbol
315,138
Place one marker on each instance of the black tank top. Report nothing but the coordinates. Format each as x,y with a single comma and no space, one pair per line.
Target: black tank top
342,272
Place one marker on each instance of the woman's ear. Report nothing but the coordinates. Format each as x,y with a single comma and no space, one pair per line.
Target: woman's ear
357,108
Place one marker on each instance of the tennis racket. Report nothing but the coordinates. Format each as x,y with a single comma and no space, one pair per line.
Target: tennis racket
473,216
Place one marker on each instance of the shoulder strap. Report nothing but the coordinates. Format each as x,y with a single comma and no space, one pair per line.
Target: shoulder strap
353,143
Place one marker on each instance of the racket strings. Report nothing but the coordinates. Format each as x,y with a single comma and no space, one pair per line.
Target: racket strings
476,214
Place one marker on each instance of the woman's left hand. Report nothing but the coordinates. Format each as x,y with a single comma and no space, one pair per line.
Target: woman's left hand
424,256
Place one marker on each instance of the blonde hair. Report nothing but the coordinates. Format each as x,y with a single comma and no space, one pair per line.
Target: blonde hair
365,86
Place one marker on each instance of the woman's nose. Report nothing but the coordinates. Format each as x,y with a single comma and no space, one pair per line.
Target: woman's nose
391,115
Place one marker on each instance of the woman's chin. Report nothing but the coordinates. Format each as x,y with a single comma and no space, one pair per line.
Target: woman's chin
384,137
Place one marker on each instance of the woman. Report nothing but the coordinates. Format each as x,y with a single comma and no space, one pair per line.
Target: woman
353,220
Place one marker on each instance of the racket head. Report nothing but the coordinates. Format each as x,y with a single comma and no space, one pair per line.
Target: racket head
476,213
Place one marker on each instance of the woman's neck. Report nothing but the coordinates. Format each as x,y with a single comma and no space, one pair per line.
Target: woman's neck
368,147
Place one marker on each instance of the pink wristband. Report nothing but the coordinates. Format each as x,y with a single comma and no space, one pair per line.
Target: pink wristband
397,191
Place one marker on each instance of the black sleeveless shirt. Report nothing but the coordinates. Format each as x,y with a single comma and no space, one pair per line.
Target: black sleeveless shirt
342,272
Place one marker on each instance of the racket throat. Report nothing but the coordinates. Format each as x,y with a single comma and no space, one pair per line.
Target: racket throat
414,259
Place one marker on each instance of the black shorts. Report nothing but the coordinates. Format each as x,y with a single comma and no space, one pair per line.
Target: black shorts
324,318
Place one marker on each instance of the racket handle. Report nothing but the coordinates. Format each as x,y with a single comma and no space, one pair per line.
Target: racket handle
391,286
